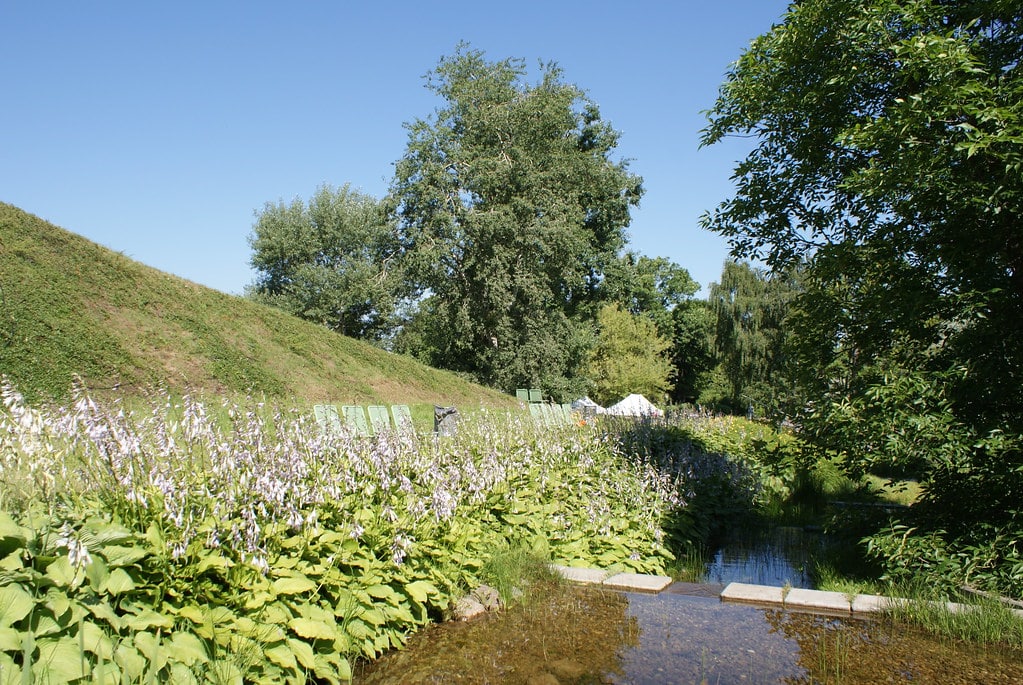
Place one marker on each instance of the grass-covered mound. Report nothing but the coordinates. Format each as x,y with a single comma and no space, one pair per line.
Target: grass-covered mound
70,308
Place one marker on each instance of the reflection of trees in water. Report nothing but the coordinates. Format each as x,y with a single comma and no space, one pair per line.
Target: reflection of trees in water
577,634
870,651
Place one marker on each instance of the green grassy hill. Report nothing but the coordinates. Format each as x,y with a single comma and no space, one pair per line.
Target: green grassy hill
71,308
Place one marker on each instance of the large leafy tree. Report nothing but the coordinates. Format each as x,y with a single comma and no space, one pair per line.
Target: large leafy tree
750,306
630,356
664,292
510,206
889,156
331,261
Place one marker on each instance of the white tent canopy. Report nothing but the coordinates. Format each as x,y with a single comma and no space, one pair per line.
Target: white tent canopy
586,403
634,405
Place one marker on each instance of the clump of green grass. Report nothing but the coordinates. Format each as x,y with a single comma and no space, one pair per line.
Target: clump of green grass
520,575
690,565
969,619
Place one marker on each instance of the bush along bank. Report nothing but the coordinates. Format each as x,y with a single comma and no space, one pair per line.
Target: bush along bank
184,540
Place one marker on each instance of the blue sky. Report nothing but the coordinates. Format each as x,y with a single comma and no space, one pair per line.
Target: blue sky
158,129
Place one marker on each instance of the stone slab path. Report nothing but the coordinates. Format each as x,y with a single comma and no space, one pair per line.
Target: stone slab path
820,601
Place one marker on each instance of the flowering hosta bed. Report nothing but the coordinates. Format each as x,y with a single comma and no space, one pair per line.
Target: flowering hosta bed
186,540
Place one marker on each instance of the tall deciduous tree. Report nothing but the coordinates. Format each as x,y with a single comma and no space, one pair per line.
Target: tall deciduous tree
750,307
890,157
511,205
629,357
331,261
663,291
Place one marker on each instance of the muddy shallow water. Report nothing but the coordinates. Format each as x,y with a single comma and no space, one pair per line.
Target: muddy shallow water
685,634
586,635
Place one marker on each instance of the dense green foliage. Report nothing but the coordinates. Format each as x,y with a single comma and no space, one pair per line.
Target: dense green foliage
72,309
628,357
890,160
191,542
331,261
510,208
750,307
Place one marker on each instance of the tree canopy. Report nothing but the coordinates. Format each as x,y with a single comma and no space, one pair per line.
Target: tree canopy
510,207
889,159
629,357
331,261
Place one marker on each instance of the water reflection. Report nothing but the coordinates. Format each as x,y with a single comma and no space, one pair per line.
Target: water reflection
766,557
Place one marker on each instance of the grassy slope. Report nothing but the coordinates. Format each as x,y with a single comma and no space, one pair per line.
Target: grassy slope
69,307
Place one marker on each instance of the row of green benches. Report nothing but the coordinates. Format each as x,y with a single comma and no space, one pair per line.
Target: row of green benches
353,418
553,414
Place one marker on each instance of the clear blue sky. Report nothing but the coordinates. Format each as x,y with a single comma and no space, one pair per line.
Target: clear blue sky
157,129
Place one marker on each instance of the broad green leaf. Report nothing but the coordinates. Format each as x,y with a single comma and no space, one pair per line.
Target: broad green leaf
325,670
93,639
123,556
384,592
282,656
106,613
118,582
153,649
277,613
10,672
60,660
105,673
12,536
309,628
132,663
358,629
421,590
155,536
219,615
293,586
43,623
62,573
315,612
192,613
212,560
400,613
15,604
187,648
224,671
97,571
181,674
12,562
97,532
303,651
258,599
10,639
374,616
147,618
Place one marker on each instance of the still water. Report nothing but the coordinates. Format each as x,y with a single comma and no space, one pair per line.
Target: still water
766,557
685,634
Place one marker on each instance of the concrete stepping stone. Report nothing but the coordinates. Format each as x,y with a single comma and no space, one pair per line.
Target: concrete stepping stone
638,582
577,574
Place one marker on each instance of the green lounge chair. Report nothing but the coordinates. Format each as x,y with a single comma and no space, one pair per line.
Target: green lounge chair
379,419
402,418
355,420
327,418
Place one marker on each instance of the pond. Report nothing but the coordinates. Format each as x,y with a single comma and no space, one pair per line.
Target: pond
685,634
773,556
